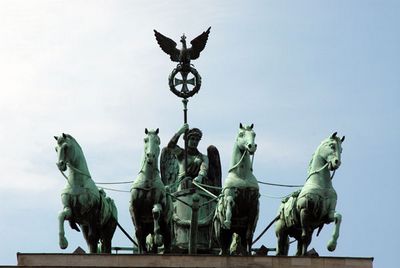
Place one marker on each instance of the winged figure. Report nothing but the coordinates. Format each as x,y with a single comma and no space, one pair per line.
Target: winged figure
184,55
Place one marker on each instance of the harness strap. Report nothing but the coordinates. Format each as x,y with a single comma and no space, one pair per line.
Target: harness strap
238,163
317,171
78,170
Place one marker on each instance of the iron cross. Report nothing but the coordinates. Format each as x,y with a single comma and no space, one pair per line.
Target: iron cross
184,82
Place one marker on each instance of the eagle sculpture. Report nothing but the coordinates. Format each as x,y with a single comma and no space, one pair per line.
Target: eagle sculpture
184,55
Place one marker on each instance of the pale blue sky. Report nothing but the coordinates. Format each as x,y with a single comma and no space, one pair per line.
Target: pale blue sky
298,70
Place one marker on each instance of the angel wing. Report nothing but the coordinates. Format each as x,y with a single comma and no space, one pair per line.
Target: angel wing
168,46
169,168
214,175
198,44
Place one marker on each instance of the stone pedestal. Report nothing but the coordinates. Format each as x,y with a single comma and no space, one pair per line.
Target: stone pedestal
99,260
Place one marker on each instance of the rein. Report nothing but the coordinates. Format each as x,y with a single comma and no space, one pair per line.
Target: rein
319,170
144,163
78,170
75,169
240,161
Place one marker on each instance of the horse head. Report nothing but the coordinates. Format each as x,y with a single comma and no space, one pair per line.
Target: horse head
245,139
330,150
63,151
151,146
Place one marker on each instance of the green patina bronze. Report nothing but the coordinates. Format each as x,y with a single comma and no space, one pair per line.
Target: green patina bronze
150,206
181,206
237,210
314,205
83,202
204,169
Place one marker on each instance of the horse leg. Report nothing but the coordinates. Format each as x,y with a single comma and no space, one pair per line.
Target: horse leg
157,237
141,239
107,235
166,233
299,247
282,238
306,230
165,230
106,246
244,243
337,219
217,228
225,241
251,226
229,200
91,236
65,214
134,209
166,219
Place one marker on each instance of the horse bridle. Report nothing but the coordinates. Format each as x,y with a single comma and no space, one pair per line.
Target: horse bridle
319,170
75,169
241,159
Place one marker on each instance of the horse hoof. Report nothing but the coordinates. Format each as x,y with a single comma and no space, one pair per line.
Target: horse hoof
158,240
227,224
63,243
331,245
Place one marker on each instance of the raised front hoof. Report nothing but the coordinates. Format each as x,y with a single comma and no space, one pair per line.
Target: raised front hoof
331,245
227,225
63,242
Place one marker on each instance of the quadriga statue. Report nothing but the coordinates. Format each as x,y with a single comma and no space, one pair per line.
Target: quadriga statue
237,210
83,202
150,206
314,205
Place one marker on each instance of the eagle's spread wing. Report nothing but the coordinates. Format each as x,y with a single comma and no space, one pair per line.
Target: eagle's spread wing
198,44
168,46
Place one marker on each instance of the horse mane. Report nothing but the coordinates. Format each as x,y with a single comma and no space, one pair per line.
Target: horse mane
69,137
310,163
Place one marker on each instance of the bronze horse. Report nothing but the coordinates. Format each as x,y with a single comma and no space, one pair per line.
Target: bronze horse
314,205
150,206
83,202
237,210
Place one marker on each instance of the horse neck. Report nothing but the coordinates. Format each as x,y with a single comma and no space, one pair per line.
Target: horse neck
242,167
150,171
78,171
322,177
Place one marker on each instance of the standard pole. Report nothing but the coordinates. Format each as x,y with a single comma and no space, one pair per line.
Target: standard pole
185,102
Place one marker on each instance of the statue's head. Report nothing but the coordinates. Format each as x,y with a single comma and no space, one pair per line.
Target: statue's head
183,39
193,137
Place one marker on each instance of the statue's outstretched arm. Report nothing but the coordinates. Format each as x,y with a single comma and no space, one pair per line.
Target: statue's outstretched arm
173,143
203,170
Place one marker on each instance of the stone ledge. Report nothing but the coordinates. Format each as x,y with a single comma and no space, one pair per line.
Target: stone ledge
190,261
